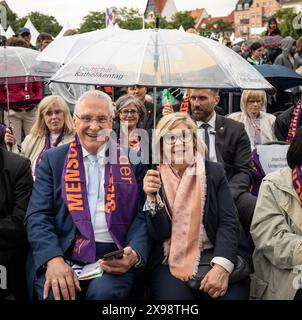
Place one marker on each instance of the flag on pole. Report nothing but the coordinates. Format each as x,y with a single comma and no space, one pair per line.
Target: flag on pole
110,17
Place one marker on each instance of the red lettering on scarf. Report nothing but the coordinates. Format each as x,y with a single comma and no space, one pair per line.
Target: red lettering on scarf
75,201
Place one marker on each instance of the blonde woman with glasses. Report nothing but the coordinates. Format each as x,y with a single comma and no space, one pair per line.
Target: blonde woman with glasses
53,127
259,125
191,218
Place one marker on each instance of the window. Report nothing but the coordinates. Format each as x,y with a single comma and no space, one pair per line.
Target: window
264,4
246,6
252,16
253,25
257,5
239,7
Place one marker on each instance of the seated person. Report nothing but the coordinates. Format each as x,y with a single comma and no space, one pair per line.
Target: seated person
52,127
84,178
130,114
15,190
182,230
288,122
258,124
276,230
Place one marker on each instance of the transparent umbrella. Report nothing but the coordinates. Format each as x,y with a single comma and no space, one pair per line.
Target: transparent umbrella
63,49
160,58
17,65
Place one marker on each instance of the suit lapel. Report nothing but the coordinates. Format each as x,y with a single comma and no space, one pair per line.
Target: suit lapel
219,137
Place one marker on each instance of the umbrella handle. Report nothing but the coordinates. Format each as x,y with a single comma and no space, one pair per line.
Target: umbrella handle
10,145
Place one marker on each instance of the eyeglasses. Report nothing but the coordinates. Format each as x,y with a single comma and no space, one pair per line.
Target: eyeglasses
25,34
253,101
89,119
125,112
184,137
50,113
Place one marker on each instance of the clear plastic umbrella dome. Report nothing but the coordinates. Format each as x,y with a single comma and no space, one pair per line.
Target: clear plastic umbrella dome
160,58
63,49
17,65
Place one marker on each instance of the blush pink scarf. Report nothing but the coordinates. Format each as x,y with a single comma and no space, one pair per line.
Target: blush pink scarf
186,197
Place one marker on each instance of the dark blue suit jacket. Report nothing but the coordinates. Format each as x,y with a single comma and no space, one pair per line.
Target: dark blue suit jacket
220,220
50,228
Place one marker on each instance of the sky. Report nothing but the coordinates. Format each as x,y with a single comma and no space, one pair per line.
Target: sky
71,12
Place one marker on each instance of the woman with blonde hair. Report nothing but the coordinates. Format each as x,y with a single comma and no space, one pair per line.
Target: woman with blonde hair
53,126
191,219
259,125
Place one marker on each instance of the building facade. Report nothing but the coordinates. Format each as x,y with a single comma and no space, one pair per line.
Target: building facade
251,16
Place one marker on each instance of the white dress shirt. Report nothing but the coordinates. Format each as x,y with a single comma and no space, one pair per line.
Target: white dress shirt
211,131
99,222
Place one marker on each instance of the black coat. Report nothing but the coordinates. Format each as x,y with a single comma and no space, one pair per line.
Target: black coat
220,221
282,124
233,150
15,190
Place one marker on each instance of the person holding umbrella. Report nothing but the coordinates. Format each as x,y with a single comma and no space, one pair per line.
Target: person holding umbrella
183,232
20,102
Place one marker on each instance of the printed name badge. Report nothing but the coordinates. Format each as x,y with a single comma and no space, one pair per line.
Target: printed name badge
272,157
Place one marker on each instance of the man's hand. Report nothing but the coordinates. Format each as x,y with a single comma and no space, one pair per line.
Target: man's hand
120,266
61,278
216,281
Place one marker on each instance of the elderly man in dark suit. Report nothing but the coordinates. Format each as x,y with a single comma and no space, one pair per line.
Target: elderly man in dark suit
84,205
229,144
15,190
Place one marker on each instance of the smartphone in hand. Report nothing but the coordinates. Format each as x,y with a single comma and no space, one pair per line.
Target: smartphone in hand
118,254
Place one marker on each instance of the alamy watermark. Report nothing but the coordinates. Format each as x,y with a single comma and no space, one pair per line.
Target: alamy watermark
3,278
297,22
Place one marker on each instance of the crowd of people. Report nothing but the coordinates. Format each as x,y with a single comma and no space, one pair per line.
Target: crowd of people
77,184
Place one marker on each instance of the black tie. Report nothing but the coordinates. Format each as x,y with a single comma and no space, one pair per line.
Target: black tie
205,126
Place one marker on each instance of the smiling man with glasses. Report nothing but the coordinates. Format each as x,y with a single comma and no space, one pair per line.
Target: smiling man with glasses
93,204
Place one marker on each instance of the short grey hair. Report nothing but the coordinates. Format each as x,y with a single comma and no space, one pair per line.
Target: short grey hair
128,99
97,94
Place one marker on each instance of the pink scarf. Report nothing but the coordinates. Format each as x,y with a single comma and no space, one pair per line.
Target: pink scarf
182,250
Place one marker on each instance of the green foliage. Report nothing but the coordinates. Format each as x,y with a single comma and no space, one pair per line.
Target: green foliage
217,27
286,18
43,22
129,18
93,21
182,18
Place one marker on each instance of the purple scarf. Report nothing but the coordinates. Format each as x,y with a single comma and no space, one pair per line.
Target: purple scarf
47,146
295,121
257,175
297,181
121,194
